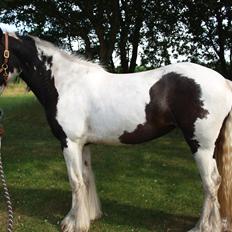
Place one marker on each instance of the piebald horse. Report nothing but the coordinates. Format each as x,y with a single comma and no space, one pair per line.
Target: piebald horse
84,104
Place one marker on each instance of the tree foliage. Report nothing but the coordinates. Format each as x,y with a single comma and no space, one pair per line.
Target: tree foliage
209,25
161,31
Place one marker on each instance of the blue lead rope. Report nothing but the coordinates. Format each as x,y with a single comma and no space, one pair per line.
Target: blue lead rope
3,180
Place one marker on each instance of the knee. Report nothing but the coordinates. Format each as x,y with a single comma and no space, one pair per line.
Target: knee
212,194
77,184
218,181
210,188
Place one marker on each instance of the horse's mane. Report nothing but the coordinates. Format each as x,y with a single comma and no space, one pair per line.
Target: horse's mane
72,57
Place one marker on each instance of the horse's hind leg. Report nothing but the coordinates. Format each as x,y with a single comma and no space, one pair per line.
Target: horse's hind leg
210,220
202,143
94,203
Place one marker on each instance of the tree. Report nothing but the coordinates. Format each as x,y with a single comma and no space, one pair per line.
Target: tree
95,22
164,30
101,26
209,30
161,32
131,22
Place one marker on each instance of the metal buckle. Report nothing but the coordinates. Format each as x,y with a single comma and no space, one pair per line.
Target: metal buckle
4,71
4,66
6,54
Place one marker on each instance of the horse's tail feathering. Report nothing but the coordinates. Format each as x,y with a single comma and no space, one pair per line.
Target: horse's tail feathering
223,156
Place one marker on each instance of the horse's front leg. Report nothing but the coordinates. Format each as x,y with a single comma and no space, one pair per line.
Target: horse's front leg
94,203
78,219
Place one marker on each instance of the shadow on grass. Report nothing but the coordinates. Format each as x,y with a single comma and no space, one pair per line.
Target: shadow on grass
140,218
53,204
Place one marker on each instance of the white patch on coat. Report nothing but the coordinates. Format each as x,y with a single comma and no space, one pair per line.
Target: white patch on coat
40,56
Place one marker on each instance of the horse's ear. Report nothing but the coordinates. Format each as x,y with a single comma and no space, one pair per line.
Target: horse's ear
1,33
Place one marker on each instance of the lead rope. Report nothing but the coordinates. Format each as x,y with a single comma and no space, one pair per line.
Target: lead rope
3,180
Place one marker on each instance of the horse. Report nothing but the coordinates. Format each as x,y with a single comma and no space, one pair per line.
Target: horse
84,104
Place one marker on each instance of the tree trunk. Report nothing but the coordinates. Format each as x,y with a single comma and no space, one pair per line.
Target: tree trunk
221,42
123,51
123,38
136,36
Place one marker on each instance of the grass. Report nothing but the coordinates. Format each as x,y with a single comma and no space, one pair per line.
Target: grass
149,187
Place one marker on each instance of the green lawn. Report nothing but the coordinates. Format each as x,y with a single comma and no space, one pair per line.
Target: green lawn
149,187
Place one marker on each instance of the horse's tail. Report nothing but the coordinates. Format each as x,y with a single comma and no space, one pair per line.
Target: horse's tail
223,156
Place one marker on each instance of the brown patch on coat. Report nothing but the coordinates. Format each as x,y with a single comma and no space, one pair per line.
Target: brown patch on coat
175,101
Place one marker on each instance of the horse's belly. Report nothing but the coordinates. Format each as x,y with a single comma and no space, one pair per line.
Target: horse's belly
142,133
109,129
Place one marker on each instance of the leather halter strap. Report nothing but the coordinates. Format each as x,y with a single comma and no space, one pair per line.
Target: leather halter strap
6,56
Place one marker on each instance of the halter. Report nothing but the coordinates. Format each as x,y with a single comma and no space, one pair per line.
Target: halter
6,55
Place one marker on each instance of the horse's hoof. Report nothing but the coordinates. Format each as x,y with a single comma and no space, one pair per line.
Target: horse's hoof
68,224
194,230
82,229
95,216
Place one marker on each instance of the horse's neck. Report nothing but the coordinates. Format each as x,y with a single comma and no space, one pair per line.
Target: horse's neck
46,69
36,72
